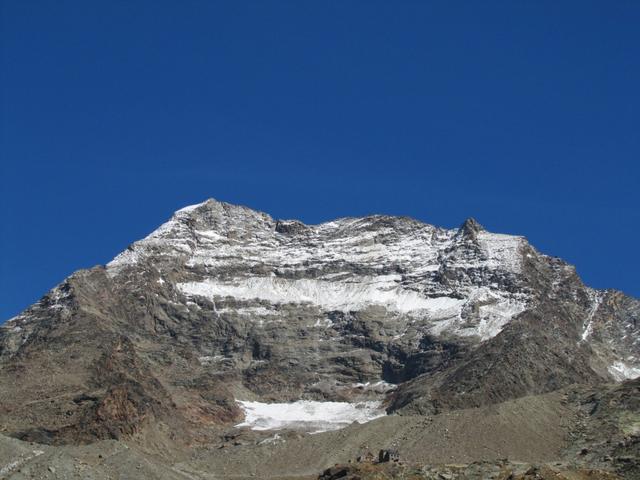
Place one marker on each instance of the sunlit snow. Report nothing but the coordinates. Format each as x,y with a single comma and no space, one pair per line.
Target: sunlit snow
328,295
309,416
238,239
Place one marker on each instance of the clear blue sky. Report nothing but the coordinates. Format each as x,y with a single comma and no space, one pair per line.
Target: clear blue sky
523,114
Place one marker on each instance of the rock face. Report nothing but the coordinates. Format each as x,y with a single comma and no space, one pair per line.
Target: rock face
223,302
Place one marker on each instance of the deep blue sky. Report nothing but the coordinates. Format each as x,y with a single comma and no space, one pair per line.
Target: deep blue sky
523,114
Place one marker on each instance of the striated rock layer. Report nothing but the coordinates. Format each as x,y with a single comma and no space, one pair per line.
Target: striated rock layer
224,303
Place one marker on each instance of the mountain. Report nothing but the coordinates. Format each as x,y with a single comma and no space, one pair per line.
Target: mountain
223,314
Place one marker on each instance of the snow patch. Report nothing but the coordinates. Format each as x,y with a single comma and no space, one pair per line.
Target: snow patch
306,415
272,440
380,386
503,251
492,312
323,323
190,208
209,359
494,317
248,311
325,294
620,371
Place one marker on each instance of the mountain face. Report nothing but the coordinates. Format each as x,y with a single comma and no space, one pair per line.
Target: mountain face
224,304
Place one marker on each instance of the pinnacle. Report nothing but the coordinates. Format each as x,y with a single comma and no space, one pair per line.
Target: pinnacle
470,228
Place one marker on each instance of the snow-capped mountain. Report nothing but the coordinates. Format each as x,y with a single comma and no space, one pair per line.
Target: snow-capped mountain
346,265
223,304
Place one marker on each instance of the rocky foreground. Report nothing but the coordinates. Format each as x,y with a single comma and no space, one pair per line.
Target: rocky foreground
580,433
468,352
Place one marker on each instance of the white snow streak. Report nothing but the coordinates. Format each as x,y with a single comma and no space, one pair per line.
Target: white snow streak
325,294
596,299
10,467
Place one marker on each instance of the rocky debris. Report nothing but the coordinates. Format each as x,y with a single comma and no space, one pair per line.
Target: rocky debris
290,227
504,470
606,433
461,444
388,455
364,471
366,457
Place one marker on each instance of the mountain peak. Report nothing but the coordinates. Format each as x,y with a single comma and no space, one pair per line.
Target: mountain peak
211,204
213,213
470,228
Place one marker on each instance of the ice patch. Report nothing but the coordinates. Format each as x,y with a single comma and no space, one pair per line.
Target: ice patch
309,416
